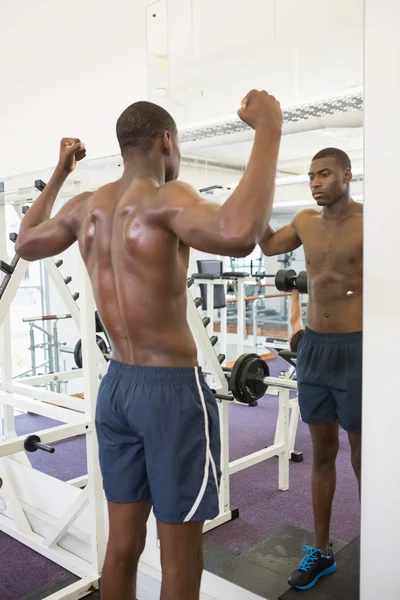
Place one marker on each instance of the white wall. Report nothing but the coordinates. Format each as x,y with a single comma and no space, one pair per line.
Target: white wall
67,69
218,50
380,523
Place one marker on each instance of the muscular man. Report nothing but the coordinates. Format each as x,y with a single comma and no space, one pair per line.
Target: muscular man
157,420
329,356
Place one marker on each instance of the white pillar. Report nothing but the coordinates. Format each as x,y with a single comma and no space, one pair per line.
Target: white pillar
380,525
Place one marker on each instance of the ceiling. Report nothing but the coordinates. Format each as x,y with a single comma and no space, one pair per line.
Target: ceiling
203,56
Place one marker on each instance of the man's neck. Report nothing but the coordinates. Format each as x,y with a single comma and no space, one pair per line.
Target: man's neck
339,210
139,165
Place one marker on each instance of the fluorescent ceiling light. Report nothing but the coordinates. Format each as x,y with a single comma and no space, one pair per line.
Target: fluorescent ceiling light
232,124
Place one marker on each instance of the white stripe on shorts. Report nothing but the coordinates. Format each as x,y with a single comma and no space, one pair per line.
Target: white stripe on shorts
209,457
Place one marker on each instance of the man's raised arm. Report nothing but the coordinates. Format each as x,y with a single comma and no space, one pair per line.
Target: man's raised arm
236,227
39,235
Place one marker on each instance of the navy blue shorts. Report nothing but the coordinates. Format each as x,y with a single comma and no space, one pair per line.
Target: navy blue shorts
159,439
329,378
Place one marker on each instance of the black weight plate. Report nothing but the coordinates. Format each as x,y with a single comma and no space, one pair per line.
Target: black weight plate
252,376
284,280
78,350
301,282
242,384
78,354
234,380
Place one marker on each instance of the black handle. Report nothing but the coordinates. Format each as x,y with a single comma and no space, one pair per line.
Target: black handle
33,443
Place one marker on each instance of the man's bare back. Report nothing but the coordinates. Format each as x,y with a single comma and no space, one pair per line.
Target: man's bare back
157,420
138,271
333,253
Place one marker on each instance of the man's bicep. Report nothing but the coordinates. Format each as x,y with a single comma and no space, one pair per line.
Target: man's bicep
47,239
284,240
199,223
53,236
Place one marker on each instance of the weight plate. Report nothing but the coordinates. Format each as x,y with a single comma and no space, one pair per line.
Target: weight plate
301,282
234,380
252,379
284,280
78,350
242,380
78,354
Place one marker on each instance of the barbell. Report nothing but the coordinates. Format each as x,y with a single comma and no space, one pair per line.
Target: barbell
247,379
287,279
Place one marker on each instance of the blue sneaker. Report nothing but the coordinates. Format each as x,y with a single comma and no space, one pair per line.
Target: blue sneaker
313,566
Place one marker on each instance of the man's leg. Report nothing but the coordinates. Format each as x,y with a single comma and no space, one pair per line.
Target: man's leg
325,439
181,560
355,445
125,545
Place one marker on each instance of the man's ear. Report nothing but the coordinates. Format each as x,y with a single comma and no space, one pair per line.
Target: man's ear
348,175
167,143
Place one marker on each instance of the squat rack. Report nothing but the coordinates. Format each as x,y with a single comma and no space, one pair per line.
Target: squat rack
61,521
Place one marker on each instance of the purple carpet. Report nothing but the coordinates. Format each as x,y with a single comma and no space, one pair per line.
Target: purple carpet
254,491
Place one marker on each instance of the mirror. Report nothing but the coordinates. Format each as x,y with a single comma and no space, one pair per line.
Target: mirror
295,52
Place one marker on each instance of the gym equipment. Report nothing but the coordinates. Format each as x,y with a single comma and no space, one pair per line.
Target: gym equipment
101,344
33,443
247,378
63,521
287,279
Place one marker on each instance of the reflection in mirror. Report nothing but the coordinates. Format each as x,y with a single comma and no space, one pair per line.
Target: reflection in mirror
276,521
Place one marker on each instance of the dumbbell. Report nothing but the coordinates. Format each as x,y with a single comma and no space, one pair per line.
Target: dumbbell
287,279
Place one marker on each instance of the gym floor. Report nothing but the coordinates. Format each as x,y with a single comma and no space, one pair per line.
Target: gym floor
257,551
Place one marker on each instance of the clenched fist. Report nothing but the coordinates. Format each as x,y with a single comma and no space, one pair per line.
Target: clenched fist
72,150
259,109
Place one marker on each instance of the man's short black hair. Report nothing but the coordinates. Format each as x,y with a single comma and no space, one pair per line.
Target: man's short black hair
341,157
141,123
294,342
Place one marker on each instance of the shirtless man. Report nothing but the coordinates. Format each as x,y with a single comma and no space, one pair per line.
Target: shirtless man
329,358
157,420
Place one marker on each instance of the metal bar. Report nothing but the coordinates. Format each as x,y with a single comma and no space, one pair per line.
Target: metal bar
255,458
283,458
47,436
91,385
7,428
52,397
241,318
40,408
18,514
12,287
64,558
69,517
46,318
60,376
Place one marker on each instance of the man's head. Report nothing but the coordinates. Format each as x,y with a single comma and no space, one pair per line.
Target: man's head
330,176
148,129
295,340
